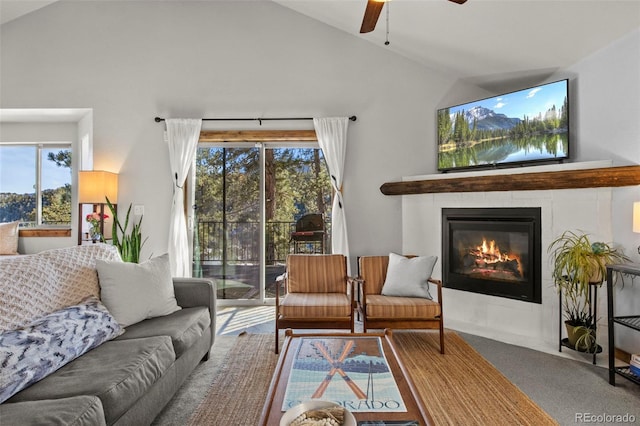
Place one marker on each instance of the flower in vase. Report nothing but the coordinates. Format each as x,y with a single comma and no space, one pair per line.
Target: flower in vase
94,220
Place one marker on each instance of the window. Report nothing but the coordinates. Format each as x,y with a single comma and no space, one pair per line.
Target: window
249,198
35,184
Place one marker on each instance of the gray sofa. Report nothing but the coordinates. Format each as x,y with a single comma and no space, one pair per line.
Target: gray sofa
127,380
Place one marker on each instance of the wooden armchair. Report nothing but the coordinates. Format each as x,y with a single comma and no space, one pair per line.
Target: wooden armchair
395,312
317,294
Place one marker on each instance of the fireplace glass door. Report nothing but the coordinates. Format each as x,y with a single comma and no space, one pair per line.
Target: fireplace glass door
493,251
493,254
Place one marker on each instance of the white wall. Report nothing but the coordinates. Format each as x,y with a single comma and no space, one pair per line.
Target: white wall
608,117
131,61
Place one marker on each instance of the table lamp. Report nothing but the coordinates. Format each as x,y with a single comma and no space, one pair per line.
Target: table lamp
94,187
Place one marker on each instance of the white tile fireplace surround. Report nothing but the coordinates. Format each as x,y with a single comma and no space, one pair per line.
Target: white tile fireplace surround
525,324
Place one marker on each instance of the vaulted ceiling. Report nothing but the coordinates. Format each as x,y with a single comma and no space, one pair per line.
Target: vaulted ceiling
482,41
486,41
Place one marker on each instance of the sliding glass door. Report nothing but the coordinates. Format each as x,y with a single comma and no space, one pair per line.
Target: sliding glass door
247,202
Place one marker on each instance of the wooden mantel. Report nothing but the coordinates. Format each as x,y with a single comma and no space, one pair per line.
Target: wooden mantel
563,179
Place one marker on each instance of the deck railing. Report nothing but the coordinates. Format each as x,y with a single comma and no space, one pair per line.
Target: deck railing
242,241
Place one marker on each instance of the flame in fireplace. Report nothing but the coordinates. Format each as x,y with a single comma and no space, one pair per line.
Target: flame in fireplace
489,253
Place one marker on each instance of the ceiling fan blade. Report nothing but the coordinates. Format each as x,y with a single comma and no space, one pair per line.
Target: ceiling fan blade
371,14
458,1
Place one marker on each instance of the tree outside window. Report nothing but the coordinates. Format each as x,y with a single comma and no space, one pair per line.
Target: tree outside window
35,184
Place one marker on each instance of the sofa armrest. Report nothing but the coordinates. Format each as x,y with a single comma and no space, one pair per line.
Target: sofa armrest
191,292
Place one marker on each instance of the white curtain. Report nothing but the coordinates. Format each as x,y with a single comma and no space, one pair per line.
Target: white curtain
182,137
332,137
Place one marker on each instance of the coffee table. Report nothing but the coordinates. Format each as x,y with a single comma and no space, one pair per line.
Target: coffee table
332,350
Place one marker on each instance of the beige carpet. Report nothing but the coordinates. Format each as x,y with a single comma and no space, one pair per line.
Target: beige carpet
458,388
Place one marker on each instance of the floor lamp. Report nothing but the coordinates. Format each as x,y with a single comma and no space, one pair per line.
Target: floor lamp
94,187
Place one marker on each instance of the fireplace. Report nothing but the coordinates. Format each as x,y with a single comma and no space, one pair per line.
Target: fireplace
492,251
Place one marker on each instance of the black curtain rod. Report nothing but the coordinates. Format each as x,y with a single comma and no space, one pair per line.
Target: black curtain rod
352,118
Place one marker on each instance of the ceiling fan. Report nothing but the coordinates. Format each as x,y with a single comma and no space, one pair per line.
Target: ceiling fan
372,13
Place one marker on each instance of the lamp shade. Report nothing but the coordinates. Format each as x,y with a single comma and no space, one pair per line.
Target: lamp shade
95,185
636,216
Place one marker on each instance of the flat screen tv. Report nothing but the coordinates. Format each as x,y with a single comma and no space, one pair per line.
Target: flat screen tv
513,129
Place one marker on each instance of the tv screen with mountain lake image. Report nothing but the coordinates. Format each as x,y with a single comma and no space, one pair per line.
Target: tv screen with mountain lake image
516,128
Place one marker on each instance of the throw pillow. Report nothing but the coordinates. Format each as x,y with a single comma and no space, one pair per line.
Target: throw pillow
134,292
408,276
33,352
9,237
34,285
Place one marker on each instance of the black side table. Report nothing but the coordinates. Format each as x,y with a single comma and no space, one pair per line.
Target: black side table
631,321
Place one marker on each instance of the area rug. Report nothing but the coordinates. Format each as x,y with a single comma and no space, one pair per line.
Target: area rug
458,388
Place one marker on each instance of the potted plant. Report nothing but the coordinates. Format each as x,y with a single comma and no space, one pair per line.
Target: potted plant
128,244
579,321
577,264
